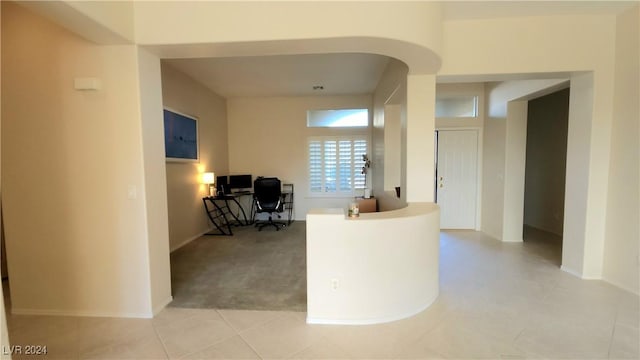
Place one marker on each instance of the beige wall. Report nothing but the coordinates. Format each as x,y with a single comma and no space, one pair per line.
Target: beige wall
155,188
420,143
4,333
392,146
621,259
237,28
74,207
495,131
574,241
268,137
117,16
577,42
392,90
187,219
514,170
547,121
101,22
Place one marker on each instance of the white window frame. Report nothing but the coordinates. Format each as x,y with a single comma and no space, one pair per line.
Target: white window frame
317,118
354,168
472,97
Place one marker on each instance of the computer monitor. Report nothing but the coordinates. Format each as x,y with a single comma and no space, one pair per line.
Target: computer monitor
222,184
240,182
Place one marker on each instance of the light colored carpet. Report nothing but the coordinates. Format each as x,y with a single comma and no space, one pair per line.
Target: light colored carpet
251,270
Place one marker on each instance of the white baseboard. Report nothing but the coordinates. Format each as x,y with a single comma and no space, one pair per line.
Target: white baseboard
571,271
623,287
162,305
578,274
185,242
583,277
324,321
85,313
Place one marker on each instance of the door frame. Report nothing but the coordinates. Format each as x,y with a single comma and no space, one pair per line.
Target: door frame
479,156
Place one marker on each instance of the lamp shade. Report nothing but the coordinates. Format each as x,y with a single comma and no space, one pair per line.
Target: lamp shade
208,178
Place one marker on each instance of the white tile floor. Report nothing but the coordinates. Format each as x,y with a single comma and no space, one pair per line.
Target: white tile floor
497,301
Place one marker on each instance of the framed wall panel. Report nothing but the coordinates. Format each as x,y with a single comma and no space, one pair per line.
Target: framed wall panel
180,136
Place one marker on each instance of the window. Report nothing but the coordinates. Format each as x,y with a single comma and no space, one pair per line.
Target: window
456,106
338,118
335,165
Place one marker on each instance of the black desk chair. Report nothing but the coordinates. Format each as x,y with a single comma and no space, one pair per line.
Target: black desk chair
268,197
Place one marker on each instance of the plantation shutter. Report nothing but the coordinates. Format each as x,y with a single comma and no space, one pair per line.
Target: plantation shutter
335,165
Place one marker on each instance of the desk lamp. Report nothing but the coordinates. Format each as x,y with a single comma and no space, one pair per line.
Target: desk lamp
209,179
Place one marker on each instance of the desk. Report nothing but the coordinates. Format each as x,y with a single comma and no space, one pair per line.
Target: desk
217,209
287,196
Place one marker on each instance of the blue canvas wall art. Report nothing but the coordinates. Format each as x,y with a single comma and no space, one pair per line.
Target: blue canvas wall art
180,136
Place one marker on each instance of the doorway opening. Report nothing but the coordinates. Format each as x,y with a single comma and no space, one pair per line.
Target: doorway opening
545,173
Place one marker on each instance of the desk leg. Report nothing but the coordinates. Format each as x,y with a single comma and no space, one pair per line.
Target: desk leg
290,220
244,215
253,211
219,215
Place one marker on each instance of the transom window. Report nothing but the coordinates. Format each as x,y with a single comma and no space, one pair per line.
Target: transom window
335,164
456,106
338,118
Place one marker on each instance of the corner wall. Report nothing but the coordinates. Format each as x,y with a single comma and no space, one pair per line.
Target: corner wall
155,194
4,333
495,131
622,259
187,219
420,140
391,89
77,237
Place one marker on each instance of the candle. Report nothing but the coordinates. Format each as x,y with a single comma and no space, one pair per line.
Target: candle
354,210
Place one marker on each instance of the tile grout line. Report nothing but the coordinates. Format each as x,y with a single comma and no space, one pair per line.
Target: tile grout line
239,333
613,331
250,346
200,349
281,314
288,356
164,347
215,342
236,333
327,340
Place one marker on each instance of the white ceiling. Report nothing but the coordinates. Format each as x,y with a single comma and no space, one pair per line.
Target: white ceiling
286,75
343,74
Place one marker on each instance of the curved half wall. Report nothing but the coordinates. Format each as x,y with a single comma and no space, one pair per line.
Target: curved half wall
376,268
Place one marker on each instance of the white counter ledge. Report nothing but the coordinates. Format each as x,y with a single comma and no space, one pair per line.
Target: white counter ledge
375,268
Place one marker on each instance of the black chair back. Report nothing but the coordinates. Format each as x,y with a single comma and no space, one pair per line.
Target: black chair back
268,194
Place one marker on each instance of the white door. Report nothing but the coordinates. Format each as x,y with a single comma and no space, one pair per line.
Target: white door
456,179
